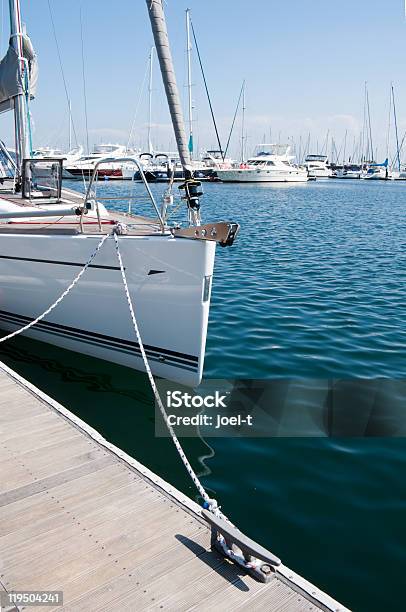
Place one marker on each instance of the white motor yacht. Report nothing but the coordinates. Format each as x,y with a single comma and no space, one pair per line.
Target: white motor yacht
70,157
84,166
271,163
317,166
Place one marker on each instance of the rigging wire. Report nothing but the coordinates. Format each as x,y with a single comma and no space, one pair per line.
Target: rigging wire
207,91
62,71
402,142
234,118
84,80
137,108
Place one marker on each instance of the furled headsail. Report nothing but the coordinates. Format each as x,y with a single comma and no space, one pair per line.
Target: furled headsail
13,80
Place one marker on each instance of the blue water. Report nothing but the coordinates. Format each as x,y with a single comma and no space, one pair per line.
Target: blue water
314,287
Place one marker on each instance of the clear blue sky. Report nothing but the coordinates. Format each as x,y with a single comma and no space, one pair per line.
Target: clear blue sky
305,64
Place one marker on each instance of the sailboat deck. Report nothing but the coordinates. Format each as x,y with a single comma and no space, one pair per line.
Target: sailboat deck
78,515
136,224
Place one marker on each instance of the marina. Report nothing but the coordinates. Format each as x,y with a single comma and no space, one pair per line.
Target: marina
202,338
300,487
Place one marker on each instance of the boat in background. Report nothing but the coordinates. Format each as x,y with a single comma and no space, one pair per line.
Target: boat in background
377,172
215,160
350,171
317,166
84,166
70,157
271,163
164,167
398,175
52,155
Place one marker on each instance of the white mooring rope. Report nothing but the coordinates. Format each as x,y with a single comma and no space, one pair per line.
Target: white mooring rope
61,297
211,504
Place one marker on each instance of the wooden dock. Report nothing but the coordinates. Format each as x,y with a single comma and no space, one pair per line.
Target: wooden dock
81,516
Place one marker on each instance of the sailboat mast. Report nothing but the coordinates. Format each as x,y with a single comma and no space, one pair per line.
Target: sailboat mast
396,127
364,146
189,81
159,30
369,126
243,124
20,110
151,61
70,126
345,147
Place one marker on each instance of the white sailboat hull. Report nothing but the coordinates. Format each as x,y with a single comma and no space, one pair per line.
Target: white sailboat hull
169,281
378,175
262,176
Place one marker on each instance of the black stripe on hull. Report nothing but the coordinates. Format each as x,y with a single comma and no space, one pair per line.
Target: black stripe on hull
160,355
59,263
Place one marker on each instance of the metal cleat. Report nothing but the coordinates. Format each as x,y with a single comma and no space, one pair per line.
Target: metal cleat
233,544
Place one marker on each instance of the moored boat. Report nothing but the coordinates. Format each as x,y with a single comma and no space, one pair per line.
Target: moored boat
49,236
317,166
84,165
271,163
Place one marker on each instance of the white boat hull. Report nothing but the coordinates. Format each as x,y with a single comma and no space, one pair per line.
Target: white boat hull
320,173
380,175
347,175
262,176
169,281
398,176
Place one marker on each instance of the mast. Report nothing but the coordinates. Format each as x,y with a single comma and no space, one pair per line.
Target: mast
345,146
396,127
389,122
20,107
70,126
363,146
189,81
369,124
159,30
243,124
151,59
325,144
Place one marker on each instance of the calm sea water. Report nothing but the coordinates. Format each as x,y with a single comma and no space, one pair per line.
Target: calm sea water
314,287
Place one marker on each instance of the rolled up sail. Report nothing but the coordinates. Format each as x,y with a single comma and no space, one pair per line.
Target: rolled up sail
12,82
158,24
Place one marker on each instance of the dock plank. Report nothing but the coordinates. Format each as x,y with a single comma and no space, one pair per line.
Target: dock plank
78,515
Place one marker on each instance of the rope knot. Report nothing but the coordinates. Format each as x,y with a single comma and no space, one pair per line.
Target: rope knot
211,505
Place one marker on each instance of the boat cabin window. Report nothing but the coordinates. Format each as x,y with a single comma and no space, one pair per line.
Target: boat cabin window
270,163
